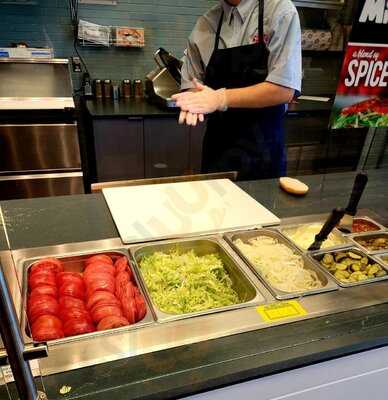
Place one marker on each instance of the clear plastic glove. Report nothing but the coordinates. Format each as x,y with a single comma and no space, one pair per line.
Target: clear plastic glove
202,101
190,118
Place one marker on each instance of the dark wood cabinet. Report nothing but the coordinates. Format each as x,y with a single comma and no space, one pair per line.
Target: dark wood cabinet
145,147
167,148
197,134
312,148
119,148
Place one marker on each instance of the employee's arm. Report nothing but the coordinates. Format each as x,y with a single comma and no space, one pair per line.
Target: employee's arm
258,96
192,69
283,80
206,100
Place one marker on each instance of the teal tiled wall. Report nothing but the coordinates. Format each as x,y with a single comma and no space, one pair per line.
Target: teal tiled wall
167,24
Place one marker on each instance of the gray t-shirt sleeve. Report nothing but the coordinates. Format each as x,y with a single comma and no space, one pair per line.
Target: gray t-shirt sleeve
285,60
197,53
192,66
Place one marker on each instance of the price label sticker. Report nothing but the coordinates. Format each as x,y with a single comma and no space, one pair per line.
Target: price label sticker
282,310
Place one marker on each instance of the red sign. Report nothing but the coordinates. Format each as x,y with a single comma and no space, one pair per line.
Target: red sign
362,94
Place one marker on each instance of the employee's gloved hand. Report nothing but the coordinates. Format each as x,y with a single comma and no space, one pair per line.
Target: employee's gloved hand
202,101
190,118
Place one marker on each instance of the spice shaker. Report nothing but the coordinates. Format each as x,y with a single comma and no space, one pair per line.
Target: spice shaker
107,88
138,89
126,90
98,88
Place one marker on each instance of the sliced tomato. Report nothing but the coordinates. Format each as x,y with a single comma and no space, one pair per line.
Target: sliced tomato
71,313
121,281
92,276
99,266
103,311
48,321
78,326
99,257
122,268
125,268
73,289
101,303
44,290
71,302
68,276
44,335
128,306
121,264
128,291
112,322
44,298
40,278
47,264
43,305
141,307
100,296
47,327
100,285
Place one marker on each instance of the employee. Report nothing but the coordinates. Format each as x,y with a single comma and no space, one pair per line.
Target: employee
242,66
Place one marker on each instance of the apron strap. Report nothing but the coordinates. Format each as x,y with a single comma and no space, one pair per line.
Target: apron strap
218,34
261,21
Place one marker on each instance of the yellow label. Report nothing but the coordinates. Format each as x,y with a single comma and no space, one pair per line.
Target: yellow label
282,310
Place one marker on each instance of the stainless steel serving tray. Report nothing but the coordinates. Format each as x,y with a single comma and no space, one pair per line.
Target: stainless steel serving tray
327,283
370,235
381,257
242,283
369,219
317,257
74,263
286,229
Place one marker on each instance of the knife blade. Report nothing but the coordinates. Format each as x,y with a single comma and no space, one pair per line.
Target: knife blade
346,222
328,226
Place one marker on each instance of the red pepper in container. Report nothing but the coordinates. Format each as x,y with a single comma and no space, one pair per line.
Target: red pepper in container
363,225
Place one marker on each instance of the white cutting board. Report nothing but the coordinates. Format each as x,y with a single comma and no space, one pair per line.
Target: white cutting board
170,210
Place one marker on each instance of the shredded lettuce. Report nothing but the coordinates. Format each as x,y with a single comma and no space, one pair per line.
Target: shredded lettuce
185,283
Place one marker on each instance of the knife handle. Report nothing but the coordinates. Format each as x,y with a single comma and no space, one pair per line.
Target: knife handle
330,224
358,189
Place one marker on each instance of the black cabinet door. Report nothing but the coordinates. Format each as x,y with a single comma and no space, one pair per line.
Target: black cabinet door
197,134
119,147
167,147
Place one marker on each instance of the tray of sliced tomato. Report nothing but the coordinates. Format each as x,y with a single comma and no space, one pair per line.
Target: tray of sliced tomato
83,295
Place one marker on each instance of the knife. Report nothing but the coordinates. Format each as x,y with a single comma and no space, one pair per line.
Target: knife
329,225
346,222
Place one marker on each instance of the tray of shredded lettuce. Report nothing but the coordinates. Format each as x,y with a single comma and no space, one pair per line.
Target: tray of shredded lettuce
186,283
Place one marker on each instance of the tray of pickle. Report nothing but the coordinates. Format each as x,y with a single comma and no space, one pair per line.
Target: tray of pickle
351,267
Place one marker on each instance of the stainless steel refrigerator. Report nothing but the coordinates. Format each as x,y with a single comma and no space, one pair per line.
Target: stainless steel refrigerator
39,145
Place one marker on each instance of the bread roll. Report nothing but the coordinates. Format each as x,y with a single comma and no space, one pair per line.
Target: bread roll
293,186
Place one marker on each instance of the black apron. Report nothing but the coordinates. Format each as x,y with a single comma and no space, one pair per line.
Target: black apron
250,141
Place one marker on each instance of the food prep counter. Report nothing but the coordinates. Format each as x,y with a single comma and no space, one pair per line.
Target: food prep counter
256,306
192,341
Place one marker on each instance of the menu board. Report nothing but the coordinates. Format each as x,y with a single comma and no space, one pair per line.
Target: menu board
362,94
